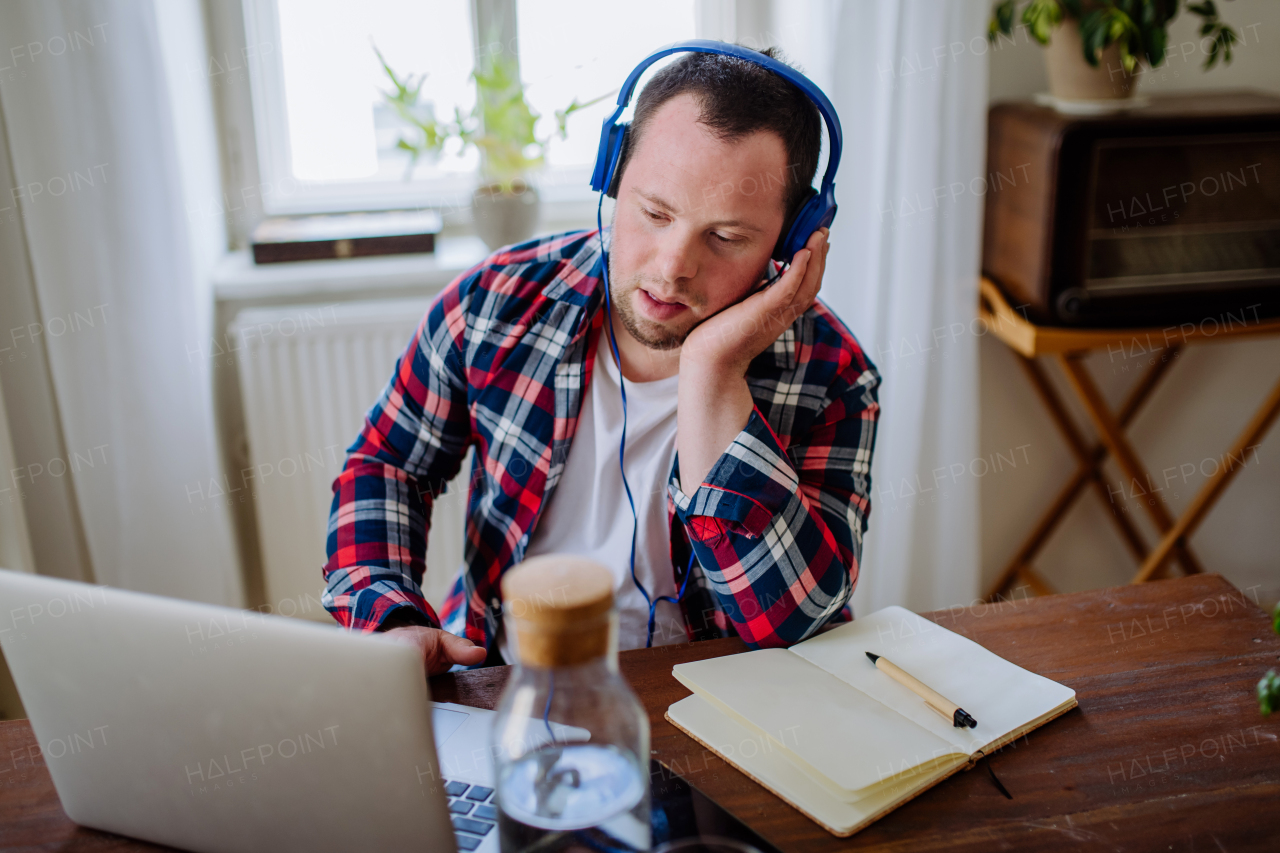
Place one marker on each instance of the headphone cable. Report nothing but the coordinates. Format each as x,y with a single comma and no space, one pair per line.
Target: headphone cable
635,519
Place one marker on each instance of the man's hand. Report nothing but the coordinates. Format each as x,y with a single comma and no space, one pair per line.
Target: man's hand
726,342
715,402
440,649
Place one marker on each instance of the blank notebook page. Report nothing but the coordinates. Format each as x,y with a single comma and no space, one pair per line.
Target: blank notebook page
1001,696
838,731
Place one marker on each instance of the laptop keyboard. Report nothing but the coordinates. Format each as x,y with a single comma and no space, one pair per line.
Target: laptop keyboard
472,811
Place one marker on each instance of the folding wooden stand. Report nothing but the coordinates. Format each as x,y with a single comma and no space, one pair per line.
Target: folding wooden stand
1069,347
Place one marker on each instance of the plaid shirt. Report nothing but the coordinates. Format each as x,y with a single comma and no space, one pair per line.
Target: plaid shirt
501,361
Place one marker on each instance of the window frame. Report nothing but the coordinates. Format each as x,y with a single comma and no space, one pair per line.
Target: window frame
565,190
285,195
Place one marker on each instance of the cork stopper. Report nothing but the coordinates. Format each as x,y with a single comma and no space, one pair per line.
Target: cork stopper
559,605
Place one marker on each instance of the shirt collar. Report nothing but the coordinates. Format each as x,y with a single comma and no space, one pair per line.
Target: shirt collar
582,277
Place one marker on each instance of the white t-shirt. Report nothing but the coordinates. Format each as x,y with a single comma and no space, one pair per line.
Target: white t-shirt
588,513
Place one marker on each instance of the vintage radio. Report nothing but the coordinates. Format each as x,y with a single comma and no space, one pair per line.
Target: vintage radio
1163,214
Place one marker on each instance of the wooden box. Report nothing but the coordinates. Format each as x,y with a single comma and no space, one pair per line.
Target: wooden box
1165,213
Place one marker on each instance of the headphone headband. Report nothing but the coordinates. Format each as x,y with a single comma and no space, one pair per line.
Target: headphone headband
815,213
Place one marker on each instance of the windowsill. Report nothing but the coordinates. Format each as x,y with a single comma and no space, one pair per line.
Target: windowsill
237,277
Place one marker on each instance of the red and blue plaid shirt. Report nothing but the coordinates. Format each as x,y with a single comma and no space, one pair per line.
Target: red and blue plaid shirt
501,362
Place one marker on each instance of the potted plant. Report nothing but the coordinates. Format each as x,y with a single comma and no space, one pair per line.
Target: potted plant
501,126
1096,58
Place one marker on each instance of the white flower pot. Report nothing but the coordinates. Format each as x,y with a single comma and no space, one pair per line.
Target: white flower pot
503,218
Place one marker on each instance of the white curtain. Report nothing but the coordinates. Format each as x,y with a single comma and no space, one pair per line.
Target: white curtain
909,80
112,140
15,544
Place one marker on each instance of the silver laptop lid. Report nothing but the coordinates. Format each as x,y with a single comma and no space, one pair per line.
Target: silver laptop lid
215,729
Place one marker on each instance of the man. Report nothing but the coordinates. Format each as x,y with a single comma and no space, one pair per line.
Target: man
750,410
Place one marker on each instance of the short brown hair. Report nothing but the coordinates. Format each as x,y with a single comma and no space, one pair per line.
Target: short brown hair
738,98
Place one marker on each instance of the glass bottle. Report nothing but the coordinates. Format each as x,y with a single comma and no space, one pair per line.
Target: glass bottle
570,738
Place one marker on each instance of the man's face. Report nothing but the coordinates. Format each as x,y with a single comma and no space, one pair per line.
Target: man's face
695,223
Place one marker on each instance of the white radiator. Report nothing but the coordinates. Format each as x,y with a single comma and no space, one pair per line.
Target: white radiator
308,375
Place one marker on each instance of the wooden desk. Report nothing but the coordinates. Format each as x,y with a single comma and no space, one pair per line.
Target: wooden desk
1166,751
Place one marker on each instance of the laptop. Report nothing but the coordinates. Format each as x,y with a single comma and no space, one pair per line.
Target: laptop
228,731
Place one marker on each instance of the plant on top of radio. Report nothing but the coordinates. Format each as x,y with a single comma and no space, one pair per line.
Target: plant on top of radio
1139,27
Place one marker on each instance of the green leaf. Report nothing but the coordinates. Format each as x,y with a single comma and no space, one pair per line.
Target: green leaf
1228,37
1269,693
1093,34
405,101
1122,31
1157,41
562,116
1041,16
1146,16
1212,27
1001,19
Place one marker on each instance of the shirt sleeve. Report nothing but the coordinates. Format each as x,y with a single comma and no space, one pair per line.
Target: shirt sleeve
412,444
778,529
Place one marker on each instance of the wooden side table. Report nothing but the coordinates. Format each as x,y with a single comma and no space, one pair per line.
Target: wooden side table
1068,347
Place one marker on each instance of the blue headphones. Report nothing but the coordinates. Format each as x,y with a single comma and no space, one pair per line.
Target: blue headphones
817,211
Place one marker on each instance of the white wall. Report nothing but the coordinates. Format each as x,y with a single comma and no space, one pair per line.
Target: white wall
1195,415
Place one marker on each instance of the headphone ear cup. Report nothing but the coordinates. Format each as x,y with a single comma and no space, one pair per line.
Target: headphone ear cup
619,164
818,212
780,251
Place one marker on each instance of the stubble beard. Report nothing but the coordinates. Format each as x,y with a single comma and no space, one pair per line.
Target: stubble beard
652,335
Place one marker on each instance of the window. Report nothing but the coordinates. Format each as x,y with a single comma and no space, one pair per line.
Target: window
327,140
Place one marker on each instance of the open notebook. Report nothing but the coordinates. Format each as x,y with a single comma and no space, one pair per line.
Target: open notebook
844,743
